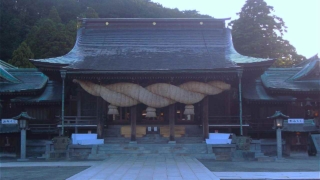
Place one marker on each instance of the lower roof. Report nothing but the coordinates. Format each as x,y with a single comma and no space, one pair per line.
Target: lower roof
52,94
254,91
30,81
300,79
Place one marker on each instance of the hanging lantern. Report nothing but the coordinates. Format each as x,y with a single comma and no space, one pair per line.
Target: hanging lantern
189,110
151,112
113,110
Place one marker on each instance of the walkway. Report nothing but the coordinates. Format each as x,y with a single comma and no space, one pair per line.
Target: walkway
157,167
146,168
268,175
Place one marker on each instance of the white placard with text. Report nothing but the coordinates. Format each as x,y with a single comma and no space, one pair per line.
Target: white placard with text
296,121
9,121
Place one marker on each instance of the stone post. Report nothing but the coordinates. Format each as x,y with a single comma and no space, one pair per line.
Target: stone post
279,143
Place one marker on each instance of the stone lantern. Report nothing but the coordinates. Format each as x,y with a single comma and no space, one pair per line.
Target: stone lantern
278,119
23,120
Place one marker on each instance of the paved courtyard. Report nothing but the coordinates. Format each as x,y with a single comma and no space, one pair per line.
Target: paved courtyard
144,168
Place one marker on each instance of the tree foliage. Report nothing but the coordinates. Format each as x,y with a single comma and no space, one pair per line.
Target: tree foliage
259,33
54,15
21,56
91,13
26,20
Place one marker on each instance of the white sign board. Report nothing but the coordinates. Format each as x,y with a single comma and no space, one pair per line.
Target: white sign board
9,121
295,121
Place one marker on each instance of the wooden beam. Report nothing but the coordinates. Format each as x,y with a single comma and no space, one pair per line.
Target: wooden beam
205,121
171,121
133,118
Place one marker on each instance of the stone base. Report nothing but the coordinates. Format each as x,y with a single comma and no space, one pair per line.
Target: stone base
21,160
172,142
132,142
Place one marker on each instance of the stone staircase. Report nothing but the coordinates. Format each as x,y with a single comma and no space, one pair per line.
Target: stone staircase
129,149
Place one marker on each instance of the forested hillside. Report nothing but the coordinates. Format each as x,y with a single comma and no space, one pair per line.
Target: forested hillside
47,28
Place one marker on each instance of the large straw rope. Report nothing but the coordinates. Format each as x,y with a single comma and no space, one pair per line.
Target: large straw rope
156,95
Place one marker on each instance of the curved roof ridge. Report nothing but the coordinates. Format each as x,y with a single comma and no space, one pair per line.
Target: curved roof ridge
303,63
64,60
7,76
6,65
232,54
309,68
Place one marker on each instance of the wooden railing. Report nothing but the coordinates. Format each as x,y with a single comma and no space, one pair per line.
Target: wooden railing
262,124
78,121
228,120
43,128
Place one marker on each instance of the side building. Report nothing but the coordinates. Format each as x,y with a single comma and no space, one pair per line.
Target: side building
295,92
31,91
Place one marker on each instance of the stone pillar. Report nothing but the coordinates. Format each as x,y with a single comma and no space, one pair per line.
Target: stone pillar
63,76
100,122
171,122
23,145
133,118
279,143
205,118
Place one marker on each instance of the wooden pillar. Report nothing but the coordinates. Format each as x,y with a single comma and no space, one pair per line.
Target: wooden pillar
105,113
171,121
228,103
100,122
63,76
205,118
240,100
78,108
133,118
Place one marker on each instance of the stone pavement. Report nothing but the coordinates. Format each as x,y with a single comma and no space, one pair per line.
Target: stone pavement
268,175
147,168
157,167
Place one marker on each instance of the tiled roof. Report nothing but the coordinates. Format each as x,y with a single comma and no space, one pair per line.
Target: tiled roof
151,44
254,91
295,79
6,77
6,65
31,80
51,93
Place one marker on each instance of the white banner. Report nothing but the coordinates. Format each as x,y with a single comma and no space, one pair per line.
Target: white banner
295,121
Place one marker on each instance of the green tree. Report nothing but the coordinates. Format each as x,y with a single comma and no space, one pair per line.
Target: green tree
91,13
21,56
49,39
259,33
54,15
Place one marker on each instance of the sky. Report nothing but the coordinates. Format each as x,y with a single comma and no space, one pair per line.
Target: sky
302,17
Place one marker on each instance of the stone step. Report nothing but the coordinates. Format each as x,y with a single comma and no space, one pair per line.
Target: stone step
153,148
266,159
150,155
